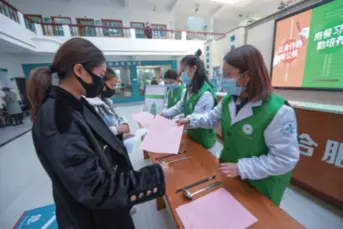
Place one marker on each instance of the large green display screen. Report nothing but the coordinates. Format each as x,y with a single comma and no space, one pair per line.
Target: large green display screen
308,49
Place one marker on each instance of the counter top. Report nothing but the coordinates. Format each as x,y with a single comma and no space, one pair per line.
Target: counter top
317,107
202,164
329,108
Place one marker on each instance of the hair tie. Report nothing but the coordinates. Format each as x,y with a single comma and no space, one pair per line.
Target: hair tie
52,69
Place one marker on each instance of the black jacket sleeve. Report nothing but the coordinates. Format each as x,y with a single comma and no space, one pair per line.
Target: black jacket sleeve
77,167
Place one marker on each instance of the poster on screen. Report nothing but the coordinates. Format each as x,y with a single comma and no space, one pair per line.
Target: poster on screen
155,96
308,49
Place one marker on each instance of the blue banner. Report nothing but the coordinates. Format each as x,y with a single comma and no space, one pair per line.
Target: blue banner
38,218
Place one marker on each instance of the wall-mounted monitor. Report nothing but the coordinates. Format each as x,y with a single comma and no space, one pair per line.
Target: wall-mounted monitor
308,48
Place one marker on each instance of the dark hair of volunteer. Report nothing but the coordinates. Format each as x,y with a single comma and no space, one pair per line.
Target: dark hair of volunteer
199,98
259,128
94,184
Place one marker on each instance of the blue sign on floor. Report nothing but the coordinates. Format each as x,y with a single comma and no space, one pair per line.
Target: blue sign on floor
38,218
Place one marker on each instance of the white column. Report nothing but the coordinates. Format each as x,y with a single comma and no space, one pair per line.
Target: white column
183,35
21,19
132,33
66,30
210,28
39,29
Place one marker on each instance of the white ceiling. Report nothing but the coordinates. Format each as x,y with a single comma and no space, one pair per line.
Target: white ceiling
208,8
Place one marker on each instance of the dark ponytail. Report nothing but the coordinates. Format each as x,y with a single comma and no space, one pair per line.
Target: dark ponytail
72,52
198,53
38,85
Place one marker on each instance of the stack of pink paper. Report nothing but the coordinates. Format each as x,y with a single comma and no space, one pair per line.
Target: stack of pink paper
217,210
143,118
164,136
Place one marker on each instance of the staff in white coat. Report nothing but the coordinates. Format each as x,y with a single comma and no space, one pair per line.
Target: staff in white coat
259,128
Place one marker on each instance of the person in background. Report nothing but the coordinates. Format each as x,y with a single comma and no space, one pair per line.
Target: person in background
199,98
13,107
157,81
175,87
104,106
94,183
259,128
148,31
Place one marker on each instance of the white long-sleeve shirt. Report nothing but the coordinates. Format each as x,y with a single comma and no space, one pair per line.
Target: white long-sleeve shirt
282,142
204,105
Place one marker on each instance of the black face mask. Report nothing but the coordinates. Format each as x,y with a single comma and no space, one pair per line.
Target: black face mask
108,93
93,89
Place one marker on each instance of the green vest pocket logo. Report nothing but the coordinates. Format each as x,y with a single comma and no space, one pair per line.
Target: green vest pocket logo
247,129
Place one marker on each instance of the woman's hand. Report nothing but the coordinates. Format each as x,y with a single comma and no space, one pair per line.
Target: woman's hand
128,135
229,170
122,129
183,122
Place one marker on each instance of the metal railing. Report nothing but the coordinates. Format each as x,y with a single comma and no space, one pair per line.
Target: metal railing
198,35
9,11
159,34
30,24
51,29
99,31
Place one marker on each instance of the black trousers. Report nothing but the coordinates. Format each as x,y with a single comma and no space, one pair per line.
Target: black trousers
17,118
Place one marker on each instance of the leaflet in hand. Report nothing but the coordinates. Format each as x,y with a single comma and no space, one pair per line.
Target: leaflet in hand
164,136
143,118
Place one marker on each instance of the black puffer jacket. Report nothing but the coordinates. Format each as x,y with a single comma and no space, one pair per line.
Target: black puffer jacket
94,184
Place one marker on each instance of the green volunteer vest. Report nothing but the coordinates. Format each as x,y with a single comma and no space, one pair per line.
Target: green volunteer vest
245,139
206,137
174,96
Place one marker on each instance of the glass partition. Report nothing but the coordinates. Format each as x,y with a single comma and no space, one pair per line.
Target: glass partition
124,84
147,75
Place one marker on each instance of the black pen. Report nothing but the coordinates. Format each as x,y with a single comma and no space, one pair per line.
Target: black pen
196,183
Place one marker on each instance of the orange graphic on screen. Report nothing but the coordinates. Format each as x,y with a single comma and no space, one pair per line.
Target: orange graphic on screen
291,40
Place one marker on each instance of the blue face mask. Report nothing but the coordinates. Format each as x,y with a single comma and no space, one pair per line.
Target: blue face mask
172,86
229,86
185,79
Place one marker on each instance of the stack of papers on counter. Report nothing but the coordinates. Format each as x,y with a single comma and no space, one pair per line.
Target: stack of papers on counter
217,210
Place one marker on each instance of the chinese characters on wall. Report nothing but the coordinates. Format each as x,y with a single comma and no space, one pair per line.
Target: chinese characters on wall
333,150
329,38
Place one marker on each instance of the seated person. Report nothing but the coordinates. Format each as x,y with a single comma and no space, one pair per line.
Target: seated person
103,105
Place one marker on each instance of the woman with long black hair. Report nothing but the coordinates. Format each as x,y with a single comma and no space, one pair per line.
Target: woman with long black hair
199,98
93,181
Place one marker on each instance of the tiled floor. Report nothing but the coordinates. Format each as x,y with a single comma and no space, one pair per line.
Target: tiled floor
24,185
11,132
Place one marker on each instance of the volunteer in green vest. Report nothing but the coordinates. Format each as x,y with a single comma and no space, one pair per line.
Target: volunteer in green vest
199,98
259,128
176,89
